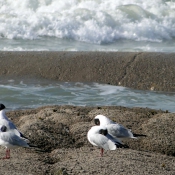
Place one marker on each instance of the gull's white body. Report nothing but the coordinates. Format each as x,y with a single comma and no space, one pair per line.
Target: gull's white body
10,136
10,140
96,139
10,126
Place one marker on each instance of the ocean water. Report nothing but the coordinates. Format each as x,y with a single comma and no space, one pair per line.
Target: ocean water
87,25
25,94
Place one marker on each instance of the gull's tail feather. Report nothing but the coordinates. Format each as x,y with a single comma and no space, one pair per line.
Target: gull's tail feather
32,146
22,135
119,145
139,135
35,147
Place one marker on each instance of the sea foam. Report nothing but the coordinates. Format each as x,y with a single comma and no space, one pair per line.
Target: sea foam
23,94
91,21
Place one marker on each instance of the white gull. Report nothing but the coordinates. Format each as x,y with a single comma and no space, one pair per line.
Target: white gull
10,140
116,130
98,136
6,122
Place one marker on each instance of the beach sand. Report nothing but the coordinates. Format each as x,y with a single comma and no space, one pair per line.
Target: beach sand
148,71
61,131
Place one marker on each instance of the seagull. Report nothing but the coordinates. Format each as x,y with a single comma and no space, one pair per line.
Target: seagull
6,122
10,140
98,136
116,130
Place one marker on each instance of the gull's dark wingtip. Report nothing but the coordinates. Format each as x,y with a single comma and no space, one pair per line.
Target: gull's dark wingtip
119,145
22,135
139,135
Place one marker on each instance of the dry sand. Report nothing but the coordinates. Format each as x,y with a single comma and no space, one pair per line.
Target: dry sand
60,131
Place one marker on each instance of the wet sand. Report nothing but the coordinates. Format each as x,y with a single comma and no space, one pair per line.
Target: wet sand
146,71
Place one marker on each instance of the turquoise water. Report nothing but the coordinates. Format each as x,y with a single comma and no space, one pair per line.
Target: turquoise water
24,94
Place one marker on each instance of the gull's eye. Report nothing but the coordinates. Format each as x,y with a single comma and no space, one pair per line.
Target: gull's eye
97,121
103,132
3,128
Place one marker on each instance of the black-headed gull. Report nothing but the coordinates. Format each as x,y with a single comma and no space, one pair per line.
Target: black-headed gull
6,122
10,140
98,136
114,129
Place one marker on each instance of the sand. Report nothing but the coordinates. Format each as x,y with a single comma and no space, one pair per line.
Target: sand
148,71
60,132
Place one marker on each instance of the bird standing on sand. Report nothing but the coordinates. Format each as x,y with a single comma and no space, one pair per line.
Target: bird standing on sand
10,136
114,129
10,140
6,122
98,136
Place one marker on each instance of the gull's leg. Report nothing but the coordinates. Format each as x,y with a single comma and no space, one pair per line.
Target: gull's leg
7,155
102,150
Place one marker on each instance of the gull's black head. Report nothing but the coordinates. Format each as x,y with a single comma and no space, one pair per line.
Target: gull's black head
3,128
103,132
2,106
97,121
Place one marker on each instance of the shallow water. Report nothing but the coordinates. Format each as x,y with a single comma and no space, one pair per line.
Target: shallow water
24,94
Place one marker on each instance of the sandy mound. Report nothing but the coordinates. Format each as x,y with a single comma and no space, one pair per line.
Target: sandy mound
160,134
61,133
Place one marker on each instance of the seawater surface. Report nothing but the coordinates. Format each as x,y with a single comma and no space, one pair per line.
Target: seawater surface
87,25
24,94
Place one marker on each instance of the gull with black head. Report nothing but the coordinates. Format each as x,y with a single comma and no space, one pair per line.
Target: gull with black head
98,136
116,130
10,140
6,122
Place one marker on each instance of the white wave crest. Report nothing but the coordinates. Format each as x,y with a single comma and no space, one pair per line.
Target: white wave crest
91,21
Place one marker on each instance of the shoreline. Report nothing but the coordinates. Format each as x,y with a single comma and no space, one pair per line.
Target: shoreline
138,70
